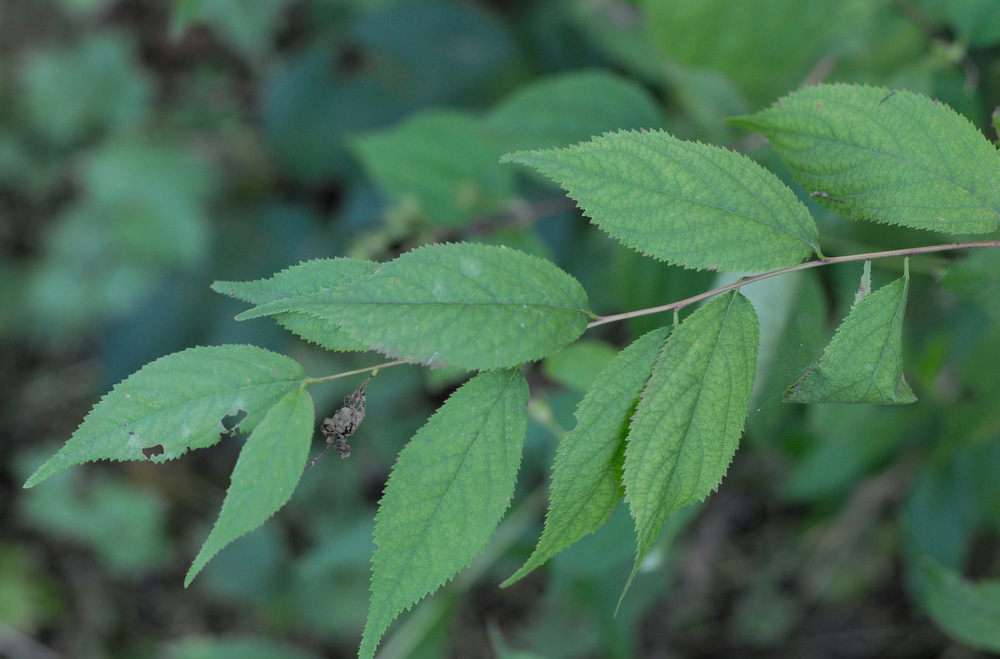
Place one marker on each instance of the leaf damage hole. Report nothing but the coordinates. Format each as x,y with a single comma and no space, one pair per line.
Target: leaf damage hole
153,451
339,427
231,423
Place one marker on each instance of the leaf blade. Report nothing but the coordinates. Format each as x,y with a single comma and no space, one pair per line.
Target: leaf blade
178,402
464,463
889,156
304,279
587,472
863,363
472,306
682,202
689,420
266,473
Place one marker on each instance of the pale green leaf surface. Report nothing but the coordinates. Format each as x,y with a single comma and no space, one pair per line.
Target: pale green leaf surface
690,417
968,612
571,107
764,47
303,279
266,473
577,365
682,202
178,402
470,306
889,156
587,472
446,495
864,361
442,159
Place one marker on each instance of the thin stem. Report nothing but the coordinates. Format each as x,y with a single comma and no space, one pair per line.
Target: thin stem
827,260
372,369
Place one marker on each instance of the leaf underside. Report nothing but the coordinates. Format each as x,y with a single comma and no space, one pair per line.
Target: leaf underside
446,494
266,473
691,415
587,473
304,279
470,306
889,156
864,361
686,203
177,403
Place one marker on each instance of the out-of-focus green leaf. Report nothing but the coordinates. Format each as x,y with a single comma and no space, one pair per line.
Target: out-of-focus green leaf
685,203
587,474
765,48
864,361
568,108
125,526
969,612
974,21
234,647
269,467
691,414
249,27
473,306
443,160
973,277
394,64
151,200
304,279
95,86
178,403
446,495
888,156
847,442
577,365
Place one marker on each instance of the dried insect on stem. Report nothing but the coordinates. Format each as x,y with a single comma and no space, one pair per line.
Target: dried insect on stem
343,423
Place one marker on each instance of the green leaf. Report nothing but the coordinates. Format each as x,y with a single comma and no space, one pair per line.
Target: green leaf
766,48
266,473
441,158
689,420
889,156
577,365
969,613
587,474
470,306
303,279
446,495
571,107
864,361
686,203
177,403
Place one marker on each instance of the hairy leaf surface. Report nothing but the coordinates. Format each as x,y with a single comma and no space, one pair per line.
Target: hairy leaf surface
587,473
266,473
686,203
864,361
968,612
446,494
303,279
689,420
177,403
471,306
888,156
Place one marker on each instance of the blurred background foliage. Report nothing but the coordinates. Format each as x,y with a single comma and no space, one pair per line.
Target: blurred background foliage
149,147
